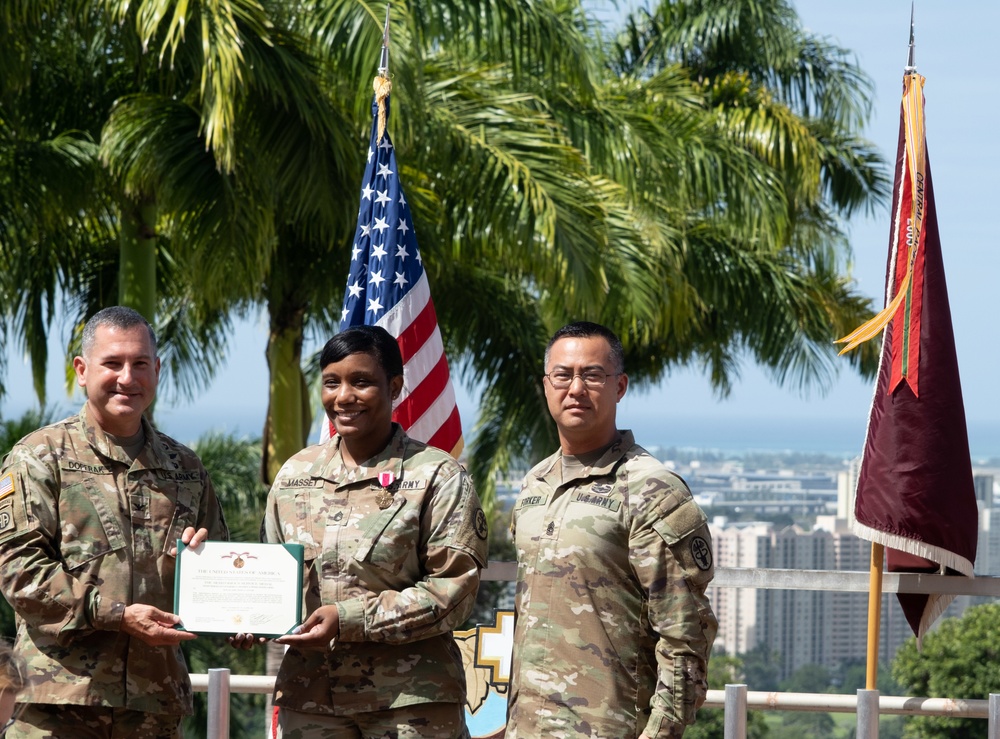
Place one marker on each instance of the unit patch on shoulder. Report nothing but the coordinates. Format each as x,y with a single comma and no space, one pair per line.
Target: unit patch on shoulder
701,552
482,528
7,519
6,485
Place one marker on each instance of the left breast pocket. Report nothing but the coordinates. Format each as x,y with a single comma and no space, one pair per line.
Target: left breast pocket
390,537
178,505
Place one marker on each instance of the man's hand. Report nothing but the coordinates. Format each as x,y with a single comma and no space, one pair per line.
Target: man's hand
191,538
316,632
153,626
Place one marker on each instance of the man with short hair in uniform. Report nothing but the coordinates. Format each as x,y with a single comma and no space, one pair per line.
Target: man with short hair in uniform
91,508
613,627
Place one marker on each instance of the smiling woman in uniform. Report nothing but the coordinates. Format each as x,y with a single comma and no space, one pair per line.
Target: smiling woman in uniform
394,540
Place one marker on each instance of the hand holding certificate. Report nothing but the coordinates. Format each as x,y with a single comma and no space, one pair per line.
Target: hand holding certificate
235,587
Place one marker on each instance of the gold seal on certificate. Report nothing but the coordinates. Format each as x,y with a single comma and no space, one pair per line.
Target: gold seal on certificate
231,587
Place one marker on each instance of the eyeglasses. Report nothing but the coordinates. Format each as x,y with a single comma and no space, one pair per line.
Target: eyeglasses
594,379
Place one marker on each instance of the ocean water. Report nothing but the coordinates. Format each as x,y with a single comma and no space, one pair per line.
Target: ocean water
834,436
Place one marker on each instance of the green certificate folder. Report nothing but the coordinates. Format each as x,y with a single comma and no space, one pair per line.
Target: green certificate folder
225,587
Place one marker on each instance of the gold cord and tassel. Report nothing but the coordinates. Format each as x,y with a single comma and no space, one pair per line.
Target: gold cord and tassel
382,86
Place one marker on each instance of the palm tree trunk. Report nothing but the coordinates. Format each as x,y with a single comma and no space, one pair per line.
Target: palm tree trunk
288,416
137,268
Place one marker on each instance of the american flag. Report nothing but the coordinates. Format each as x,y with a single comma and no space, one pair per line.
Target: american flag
387,286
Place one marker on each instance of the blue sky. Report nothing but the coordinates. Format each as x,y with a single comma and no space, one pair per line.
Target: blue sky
953,42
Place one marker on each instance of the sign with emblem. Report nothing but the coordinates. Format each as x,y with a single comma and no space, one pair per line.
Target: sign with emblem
486,653
239,587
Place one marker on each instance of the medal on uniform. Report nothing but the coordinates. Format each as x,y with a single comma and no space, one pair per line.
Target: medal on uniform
384,497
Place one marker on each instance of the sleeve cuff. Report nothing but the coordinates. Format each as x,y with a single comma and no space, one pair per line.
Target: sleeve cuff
660,726
106,615
352,620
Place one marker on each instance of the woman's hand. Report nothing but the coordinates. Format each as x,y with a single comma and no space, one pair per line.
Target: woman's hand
316,632
244,641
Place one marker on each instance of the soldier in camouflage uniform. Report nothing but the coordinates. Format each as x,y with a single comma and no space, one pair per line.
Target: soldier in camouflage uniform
90,511
394,541
613,628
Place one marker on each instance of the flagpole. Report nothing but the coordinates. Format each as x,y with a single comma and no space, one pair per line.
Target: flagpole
874,615
878,550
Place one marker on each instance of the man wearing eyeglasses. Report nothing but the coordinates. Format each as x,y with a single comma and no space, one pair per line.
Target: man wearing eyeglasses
613,626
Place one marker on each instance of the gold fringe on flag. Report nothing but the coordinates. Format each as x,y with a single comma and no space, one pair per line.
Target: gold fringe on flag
382,86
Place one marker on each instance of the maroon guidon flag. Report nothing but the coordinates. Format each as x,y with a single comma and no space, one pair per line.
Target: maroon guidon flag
915,491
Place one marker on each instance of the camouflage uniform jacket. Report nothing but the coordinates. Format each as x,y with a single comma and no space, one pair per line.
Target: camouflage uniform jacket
613,627
83,533
403,574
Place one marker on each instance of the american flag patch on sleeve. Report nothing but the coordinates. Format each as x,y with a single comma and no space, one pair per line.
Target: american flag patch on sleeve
6,485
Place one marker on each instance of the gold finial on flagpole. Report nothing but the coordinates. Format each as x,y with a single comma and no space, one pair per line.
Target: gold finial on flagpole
382,84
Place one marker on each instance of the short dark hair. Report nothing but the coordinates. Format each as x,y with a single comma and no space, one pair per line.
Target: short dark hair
117,316
586,330
364,339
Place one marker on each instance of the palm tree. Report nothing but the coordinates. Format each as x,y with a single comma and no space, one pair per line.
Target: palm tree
586,188
643,196
121,166
662,184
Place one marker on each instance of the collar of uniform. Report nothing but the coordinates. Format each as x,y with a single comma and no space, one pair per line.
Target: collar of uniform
604,466
152,456
331,466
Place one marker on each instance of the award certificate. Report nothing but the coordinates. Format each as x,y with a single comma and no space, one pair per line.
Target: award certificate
226,587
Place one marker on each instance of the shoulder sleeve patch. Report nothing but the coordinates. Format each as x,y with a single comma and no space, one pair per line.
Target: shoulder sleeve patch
7,485
685,532
7,519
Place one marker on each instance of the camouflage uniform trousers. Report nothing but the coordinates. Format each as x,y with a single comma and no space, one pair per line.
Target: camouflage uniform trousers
419,721
60,721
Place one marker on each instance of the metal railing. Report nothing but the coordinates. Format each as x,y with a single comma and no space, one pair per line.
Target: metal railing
735,700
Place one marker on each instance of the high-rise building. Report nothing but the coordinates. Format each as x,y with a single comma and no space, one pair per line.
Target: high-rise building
803,626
